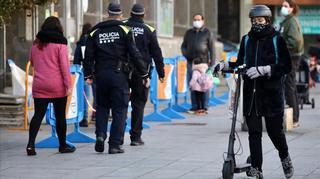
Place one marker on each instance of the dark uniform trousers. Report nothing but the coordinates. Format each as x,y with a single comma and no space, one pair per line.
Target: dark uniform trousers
112,90
138,98
291,89
274,125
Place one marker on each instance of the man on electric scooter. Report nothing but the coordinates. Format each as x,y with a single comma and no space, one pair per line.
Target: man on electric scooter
267,59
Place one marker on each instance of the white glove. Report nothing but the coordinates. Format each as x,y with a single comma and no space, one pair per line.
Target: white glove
255,72
220,66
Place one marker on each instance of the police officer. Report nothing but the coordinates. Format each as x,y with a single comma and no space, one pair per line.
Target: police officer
108,46
147,43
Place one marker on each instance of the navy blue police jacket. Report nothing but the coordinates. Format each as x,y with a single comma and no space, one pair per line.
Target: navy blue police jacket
146,40
108,43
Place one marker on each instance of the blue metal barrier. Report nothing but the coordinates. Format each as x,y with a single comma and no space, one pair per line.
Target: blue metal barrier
77,108
185,106
169,111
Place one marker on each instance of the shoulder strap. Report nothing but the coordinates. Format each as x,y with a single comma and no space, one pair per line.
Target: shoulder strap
246,38
274,39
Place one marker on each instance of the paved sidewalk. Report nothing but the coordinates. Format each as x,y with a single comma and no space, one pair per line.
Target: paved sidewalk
190,148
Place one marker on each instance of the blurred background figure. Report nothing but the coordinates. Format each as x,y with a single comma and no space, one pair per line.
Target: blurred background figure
291,32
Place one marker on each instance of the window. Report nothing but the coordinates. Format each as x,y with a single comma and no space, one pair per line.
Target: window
165,18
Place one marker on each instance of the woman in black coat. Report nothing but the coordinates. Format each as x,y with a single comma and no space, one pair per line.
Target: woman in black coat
267,60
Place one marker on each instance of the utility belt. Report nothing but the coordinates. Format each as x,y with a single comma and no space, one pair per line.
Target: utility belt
125,67
150,69
117,66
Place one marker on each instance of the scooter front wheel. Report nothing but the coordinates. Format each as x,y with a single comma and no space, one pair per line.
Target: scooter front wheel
228,170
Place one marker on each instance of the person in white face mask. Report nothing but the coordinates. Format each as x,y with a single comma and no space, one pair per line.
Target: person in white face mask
198,43
291,32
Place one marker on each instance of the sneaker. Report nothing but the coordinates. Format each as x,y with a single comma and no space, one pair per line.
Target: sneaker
200,112
99,147
84,123
192,111
287,167
206,111
254,172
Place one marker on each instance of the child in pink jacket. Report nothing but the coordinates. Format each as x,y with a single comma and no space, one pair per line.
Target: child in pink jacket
200,83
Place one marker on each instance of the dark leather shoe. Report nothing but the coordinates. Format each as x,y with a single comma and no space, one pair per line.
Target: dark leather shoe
84,123
31,151
115,150
137,142
67,149
99,147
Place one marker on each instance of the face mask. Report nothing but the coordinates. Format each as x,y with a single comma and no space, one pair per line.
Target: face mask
258,27
284,11
197,24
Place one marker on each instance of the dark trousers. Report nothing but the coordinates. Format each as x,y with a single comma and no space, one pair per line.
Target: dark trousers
275,131
291,89
139,97
200,98
112,90
40,108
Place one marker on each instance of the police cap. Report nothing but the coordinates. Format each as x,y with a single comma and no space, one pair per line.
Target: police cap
114,8
137,9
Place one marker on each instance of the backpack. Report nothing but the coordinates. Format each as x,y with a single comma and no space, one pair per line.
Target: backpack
205,81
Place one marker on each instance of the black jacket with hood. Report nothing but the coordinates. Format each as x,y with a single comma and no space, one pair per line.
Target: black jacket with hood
266,93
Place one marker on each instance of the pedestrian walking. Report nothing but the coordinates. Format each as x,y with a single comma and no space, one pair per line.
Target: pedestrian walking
265,53
78,59
107,49
51,82
292,34
146,40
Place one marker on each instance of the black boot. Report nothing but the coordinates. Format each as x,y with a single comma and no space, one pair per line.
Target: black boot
115,150
99,147
67,149
31,151
84,123
137,142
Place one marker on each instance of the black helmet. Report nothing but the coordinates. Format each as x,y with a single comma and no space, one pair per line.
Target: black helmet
260,11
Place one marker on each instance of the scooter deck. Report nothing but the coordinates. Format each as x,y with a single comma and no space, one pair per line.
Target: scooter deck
242,168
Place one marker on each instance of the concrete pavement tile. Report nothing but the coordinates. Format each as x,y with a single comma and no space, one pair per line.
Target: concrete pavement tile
91,172
130,172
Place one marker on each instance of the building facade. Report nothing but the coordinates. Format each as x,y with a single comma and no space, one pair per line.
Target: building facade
234,21
170,17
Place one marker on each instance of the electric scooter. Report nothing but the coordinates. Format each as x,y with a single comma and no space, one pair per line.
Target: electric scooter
230,166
